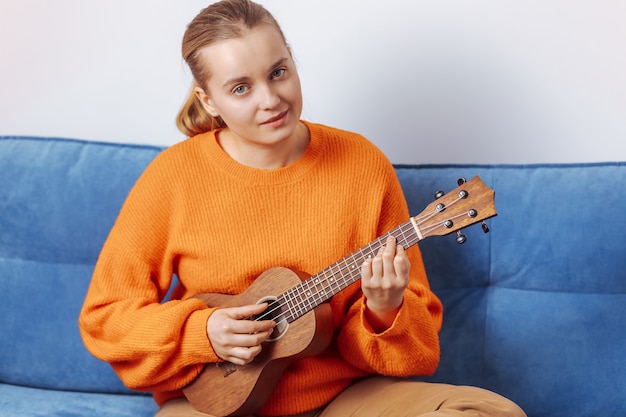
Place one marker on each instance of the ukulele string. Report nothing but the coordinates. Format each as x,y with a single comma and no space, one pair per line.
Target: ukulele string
426,231
325,280
372,248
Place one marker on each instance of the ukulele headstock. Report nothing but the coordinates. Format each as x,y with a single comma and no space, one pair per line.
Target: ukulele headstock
471,202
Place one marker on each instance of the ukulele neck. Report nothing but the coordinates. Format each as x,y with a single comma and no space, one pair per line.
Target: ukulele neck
322,286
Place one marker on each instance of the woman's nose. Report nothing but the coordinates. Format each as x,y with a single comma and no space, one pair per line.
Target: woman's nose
269,97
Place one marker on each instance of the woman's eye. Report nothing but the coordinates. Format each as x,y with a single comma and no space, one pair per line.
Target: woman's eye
278,73
240,89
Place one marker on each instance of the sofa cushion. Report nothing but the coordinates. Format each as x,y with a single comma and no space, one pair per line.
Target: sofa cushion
34,402
58,201
534,310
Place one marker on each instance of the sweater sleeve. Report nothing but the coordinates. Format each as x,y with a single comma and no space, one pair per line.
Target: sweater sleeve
152,345
410,346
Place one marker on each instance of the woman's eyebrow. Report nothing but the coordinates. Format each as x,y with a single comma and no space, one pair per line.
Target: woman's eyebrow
237,80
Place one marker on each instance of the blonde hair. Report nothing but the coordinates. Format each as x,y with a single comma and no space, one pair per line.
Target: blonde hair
226,19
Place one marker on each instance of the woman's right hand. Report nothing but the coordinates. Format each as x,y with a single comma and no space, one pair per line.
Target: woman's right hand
234,337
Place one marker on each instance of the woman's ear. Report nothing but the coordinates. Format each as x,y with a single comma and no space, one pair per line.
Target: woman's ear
206,101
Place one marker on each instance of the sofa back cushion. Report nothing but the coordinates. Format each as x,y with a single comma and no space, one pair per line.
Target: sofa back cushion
535,309
58,200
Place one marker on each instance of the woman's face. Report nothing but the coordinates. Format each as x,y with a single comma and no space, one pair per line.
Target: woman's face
254,86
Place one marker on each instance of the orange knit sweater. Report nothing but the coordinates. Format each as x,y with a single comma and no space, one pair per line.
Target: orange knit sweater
217,225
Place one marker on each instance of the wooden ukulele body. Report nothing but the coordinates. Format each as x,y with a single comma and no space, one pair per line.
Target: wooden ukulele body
223,389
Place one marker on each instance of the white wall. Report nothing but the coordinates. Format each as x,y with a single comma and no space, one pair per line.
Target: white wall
430,81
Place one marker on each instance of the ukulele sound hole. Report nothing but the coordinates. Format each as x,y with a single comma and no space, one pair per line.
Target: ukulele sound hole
274,312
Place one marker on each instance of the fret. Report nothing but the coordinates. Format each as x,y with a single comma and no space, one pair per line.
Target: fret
283,300
318,290
298,295
307,292
333,285
290,305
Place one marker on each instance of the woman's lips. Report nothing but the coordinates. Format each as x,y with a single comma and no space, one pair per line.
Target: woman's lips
276,120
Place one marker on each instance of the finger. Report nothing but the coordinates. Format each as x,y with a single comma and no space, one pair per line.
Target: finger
247,327
377,264
247,311
249,318
389,254
366,270
243,355
227,339
250,339
224,322
390,244
377,267
401,262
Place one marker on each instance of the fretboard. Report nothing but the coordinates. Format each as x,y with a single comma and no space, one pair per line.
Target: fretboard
322,286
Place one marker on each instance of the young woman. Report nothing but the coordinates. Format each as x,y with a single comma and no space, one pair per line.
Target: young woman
256,187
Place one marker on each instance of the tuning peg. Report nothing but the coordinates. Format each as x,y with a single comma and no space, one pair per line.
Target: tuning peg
460,237
461,181
439,194
485,227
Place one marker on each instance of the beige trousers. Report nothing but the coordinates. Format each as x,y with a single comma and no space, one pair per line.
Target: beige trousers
391,397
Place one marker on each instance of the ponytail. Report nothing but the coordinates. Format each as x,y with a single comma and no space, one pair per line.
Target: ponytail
193,119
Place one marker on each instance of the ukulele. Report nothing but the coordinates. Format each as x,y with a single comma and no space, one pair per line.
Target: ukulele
297,303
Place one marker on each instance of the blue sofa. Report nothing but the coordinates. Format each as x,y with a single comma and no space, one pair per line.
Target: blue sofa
534,310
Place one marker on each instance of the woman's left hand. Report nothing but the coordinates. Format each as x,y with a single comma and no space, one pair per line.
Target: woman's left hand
383,281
